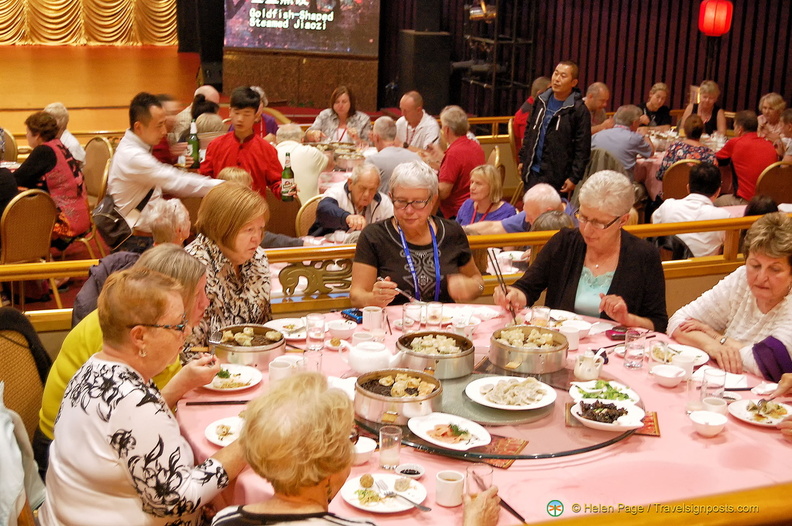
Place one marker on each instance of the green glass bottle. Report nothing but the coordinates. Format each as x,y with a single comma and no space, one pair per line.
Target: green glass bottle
287,180
193,147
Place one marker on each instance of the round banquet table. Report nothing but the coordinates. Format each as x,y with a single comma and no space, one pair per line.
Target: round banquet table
646,173
635,470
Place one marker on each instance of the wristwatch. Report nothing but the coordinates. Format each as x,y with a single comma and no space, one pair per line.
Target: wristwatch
723,340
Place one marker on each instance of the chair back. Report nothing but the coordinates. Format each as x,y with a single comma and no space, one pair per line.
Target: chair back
205,138
600,159
280,117
11,149
494,159
675,179
98,151
26,228
776,182
306,216
515,151
516,198
192,204
283,215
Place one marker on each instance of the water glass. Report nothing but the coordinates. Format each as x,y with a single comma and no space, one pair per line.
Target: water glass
311,361
478,478
389,446
540,316
411,317
434,314
693,395
634,349
714,383
315,331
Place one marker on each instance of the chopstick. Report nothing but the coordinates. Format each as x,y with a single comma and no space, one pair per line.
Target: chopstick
294,347
622,343
387,321
501,281
503,503
400,291
218,402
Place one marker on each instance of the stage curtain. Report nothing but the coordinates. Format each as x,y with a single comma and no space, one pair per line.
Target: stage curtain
92,22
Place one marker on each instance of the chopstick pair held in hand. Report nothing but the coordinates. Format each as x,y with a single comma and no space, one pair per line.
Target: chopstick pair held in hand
400,291
498,274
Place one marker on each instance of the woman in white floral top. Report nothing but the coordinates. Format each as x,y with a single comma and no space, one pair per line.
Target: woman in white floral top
230,228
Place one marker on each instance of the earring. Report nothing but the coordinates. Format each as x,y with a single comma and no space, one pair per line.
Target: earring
142,353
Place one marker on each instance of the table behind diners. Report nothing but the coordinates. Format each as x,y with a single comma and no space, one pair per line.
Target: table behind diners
646,173
679,464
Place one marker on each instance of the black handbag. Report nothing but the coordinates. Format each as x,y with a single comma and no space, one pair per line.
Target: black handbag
111,225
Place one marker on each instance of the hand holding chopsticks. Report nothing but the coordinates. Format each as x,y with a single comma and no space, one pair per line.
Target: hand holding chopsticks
498,274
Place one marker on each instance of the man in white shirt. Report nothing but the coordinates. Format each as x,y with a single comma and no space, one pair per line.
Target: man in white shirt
307,162
415,129
704,187
134,171
61,114
390,152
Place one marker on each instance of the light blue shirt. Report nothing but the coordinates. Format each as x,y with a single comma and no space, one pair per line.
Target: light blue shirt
587,297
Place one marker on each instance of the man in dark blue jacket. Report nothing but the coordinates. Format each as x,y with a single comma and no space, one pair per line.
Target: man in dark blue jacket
557,142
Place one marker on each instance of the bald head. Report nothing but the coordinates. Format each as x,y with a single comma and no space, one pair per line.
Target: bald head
539,199
597,96
208,92
411,106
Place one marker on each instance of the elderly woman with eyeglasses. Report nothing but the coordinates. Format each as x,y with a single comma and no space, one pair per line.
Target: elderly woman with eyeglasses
598,269
118,456
426,256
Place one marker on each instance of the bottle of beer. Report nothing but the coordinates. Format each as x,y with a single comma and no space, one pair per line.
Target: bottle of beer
287,180
193,147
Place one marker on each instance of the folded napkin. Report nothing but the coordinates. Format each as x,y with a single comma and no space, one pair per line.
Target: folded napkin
733,381
345,384
464,313
772,358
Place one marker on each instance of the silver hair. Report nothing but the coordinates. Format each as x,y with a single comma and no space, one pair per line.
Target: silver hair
385,127
165,217
361,169
289,132
609,191
414,174
543,195
628,114
262,94
456,119
61,114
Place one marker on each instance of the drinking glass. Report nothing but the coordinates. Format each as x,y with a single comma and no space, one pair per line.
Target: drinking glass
434,314
389,445
693,395
714,383
315,331
540,316
411,317
478,478
634,349
312,361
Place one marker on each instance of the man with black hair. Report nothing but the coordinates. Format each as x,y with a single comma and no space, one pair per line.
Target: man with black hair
243,148
135,172
748,154
704,187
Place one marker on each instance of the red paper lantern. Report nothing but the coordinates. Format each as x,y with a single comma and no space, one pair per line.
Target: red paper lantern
715,17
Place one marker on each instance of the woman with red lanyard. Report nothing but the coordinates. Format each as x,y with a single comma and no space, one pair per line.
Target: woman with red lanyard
486,193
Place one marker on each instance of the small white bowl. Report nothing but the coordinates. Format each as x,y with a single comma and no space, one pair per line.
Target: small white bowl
668,375
707,423
583,327
413,471
363,450
341,329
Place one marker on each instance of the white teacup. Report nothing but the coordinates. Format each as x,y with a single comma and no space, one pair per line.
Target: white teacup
715,404
278,370
449,486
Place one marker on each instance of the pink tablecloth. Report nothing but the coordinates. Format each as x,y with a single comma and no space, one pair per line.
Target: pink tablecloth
328,179
636,471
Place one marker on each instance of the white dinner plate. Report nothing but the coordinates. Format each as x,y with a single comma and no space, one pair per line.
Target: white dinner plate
632,420
473,390
699,356
578,389
289,323
421,425
563,315
739,410
234,423
416,492
247,375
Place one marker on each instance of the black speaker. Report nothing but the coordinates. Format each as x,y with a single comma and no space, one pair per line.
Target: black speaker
425,66
211,32
428,15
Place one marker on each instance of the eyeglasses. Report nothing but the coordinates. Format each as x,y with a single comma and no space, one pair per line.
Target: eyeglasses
180,327
595,224
401,204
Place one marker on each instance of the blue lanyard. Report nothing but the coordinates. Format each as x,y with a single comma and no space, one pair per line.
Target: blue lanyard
411,265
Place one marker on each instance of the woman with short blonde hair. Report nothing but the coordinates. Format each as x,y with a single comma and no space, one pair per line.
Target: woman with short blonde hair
711,113
771,105
230,226
486,198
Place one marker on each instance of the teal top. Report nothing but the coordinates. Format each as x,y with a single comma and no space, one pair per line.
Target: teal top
587,297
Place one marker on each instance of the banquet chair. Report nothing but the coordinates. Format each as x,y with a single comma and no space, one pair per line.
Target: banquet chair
517,196
776,182
600,159
11,148
24,366
494,159
280,117
306,215
283,215
675,179
98,152
26,231
515,151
